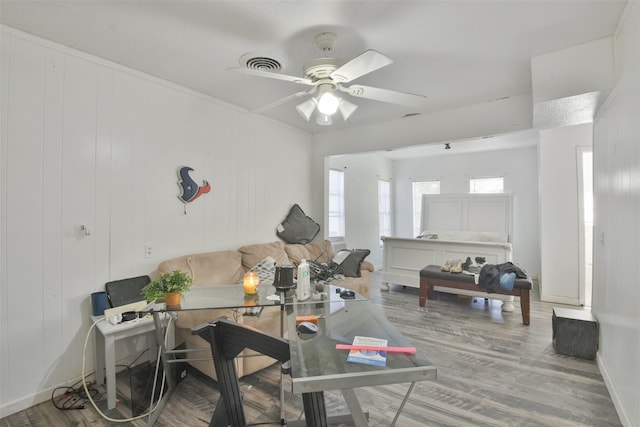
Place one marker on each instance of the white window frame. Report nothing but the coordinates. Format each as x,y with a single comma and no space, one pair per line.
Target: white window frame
417,202
486,185
335,206
384,208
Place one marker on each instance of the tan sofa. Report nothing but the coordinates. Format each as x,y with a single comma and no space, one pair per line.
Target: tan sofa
226,267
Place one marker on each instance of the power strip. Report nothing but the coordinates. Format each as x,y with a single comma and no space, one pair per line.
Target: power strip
134,306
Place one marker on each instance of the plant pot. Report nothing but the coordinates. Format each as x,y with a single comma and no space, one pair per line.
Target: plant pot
172,299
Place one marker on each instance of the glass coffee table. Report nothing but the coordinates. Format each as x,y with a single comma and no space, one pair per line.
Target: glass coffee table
231,296
317,366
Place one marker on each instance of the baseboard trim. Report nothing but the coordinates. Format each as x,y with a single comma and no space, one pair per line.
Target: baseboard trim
30,400
622,414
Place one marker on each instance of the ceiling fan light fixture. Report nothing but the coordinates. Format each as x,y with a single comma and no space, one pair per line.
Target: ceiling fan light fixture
327,101
323,119
346,108
306,108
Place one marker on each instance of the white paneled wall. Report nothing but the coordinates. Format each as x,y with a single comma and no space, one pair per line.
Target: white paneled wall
362,172
616,293
87,142
559,212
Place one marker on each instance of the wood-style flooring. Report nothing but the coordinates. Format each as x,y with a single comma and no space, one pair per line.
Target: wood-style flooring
492,371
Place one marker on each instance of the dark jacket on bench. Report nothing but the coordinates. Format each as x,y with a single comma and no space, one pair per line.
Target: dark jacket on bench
489,279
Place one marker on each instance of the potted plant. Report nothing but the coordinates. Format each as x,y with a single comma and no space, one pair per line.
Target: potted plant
169,286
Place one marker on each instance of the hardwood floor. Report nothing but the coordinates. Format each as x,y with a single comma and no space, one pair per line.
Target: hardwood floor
492,371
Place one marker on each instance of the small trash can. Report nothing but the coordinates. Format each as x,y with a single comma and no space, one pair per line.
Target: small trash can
575,333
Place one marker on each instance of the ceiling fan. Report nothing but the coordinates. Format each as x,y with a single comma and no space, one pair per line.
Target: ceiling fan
327,76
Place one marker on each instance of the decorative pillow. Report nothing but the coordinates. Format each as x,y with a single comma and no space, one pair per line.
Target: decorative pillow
266,270
297,227
350,261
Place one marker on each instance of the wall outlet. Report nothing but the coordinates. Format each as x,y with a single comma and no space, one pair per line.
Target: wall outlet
148,251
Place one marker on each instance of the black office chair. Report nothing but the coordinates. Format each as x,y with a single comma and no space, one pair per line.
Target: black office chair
228,339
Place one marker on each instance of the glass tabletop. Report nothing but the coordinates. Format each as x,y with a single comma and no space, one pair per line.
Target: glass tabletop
204,297
317,365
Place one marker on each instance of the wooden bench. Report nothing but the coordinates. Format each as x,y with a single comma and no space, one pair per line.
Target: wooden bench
432,275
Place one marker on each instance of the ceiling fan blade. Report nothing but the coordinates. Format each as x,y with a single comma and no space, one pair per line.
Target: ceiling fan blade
384,95
365,63
285,77
283,101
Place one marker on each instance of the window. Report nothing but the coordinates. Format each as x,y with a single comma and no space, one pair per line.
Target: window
420,188
384,208
336,205
486,185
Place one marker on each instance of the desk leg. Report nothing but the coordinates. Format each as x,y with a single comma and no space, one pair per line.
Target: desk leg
359,419
315,412
110,367
100,351
406,397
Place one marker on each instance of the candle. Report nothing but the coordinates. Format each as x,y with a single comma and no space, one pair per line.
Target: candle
251,282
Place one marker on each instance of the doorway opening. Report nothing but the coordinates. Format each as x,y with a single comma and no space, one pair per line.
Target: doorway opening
585,213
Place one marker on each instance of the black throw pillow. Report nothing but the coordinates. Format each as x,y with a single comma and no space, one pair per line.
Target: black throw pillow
350,261
297,228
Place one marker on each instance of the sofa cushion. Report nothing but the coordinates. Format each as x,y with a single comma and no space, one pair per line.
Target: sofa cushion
253,254
297,227
318,251
350,261
210,268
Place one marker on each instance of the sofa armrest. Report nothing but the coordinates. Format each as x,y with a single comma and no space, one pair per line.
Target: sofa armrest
366,265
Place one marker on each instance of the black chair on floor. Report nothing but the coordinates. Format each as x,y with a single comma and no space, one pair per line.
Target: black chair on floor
228,340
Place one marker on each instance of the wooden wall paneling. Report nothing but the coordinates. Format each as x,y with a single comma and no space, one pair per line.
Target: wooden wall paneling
139,183
102,224
244,182
99,146
78,206
195,153
291,184
52,215
152,193
223,171
24,217
5,60
208,228
123,185
169,160
616,242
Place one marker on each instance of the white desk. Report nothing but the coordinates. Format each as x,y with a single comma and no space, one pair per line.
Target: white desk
106,337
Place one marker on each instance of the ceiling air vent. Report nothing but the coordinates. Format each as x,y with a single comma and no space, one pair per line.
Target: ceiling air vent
261,63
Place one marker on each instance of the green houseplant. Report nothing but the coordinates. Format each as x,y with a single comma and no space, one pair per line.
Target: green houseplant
169,287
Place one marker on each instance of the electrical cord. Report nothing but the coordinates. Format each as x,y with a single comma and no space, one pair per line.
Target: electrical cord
72,397
88,394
